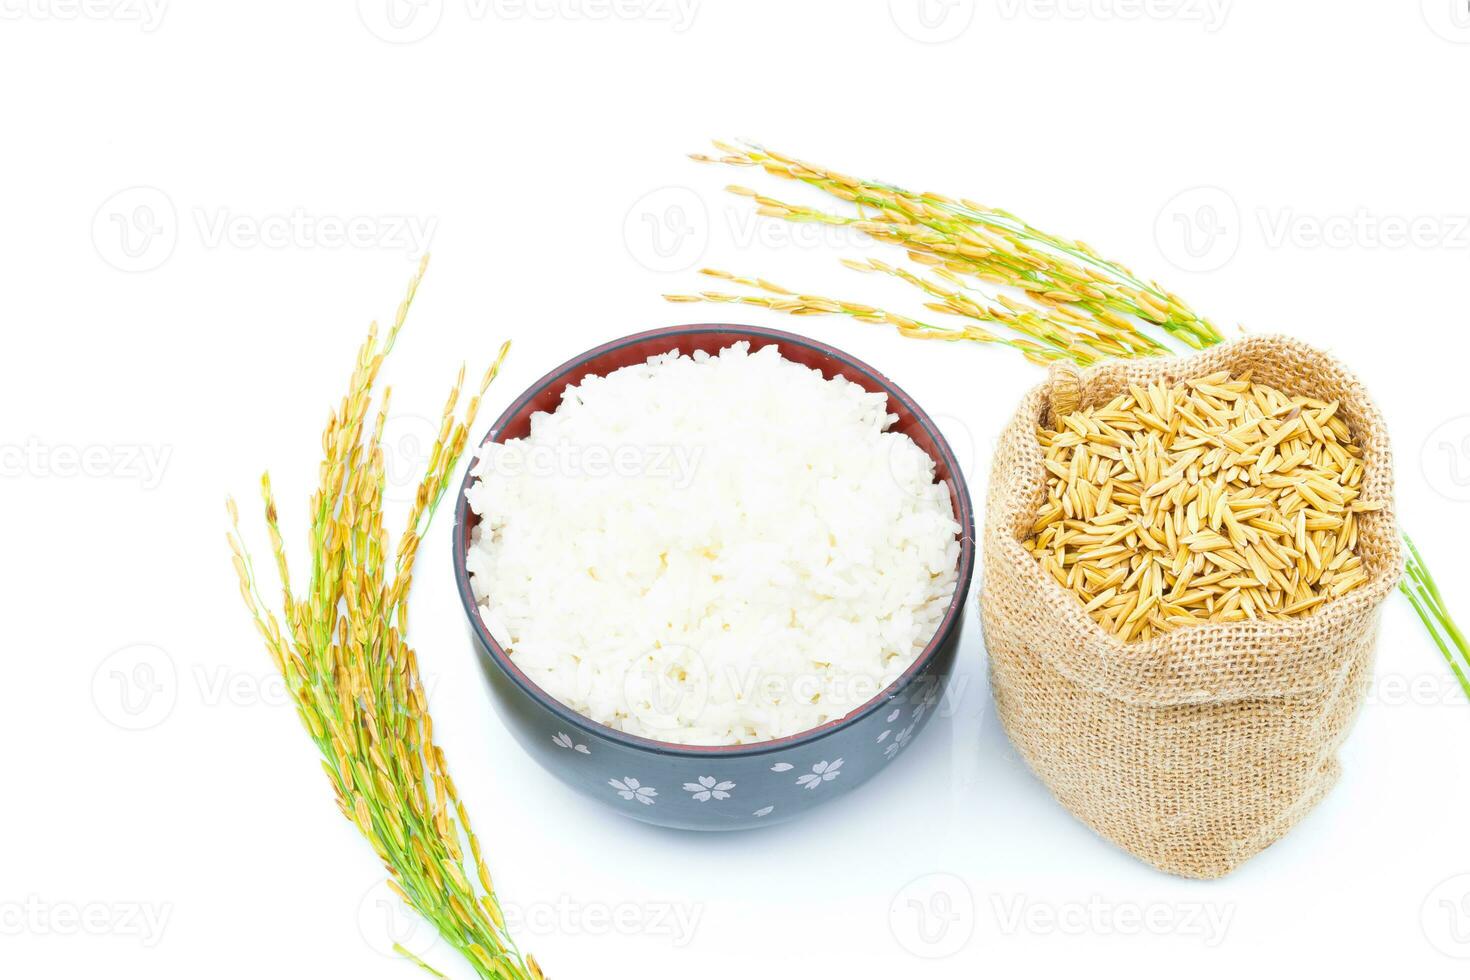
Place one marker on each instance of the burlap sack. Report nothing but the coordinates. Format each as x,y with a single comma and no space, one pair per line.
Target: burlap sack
1198,748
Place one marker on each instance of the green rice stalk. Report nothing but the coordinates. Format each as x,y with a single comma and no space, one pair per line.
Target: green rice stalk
1074,305
989,244
1055,345
1424,596
355,681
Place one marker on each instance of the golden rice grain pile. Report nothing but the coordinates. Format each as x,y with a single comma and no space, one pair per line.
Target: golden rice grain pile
1217,499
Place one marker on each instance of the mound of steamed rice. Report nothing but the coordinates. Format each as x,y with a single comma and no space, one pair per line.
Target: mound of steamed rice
712,550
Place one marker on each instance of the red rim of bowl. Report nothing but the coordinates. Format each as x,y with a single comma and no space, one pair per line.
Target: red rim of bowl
959,495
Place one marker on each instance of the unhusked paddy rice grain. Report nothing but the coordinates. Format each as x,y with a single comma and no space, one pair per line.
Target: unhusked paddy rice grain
1214,499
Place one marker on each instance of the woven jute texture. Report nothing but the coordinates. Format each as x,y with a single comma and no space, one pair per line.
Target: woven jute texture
1196,749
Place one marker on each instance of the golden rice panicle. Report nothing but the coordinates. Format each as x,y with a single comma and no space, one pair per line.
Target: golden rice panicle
342,648
1215,499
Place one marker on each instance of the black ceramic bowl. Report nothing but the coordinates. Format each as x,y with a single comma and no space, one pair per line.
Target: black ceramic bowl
733,786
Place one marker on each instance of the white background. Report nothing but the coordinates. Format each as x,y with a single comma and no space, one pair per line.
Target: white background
529,141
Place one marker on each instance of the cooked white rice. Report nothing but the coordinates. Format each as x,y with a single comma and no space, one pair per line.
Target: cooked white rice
712,550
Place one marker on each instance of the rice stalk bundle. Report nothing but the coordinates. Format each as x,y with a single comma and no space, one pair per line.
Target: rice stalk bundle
1003,281
341,648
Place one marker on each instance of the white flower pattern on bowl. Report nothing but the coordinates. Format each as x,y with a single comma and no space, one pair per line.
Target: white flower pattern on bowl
707,787
630,789
901,739
565,741
930,698
822,772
